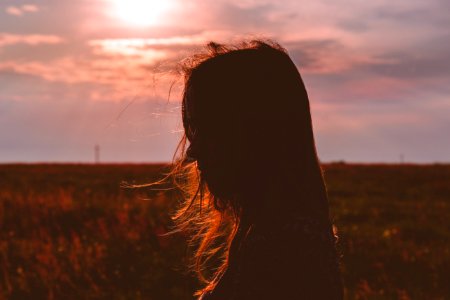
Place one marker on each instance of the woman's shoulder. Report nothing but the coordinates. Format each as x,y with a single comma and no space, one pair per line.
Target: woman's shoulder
292,229
290,245
297,256
293,258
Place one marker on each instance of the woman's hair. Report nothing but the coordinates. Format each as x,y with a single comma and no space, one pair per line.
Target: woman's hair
248,137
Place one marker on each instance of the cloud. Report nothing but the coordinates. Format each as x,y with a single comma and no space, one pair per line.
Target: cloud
152,49
125,64
136,43
7,39
376,72
14,11
108,78
21,10
72,70
407,65
253,17
318,55
30,8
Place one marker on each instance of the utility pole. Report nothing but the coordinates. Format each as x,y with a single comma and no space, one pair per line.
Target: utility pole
97,153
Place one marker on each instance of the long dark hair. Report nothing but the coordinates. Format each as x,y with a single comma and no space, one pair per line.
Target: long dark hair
248,139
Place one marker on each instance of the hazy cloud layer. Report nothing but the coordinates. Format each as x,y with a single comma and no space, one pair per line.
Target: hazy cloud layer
30,39
21,10
377,74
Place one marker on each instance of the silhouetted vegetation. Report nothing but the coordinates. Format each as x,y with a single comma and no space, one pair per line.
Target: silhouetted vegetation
71,232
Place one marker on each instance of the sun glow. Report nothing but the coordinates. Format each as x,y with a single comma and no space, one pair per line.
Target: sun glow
141,12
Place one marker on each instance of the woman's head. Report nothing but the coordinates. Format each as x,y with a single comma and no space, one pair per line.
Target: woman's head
247,120
249,137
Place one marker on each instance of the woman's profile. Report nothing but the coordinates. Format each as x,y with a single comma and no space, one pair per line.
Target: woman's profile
256,204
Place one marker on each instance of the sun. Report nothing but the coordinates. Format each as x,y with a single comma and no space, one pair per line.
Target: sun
140,12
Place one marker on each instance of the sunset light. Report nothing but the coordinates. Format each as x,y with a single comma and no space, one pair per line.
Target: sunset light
218,149
377,74
140,12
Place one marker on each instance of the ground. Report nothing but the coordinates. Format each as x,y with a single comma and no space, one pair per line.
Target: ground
74,232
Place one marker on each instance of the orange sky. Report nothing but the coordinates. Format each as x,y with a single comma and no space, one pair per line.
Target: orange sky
77,73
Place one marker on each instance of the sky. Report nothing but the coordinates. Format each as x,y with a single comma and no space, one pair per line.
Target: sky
74,74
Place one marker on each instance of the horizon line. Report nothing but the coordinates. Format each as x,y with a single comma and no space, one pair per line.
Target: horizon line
343,162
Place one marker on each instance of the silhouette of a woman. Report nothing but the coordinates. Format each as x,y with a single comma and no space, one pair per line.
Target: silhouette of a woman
258,208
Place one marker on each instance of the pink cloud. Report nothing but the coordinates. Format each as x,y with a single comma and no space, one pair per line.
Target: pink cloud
30,8
117,45
68,70
108,78
14,11
30,39
21,10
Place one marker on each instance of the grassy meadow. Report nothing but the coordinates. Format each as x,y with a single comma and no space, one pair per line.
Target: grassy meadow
71,232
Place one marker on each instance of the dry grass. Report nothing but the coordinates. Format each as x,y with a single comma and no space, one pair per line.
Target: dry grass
71,232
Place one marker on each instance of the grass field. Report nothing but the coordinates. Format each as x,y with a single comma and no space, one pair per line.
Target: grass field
71,232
